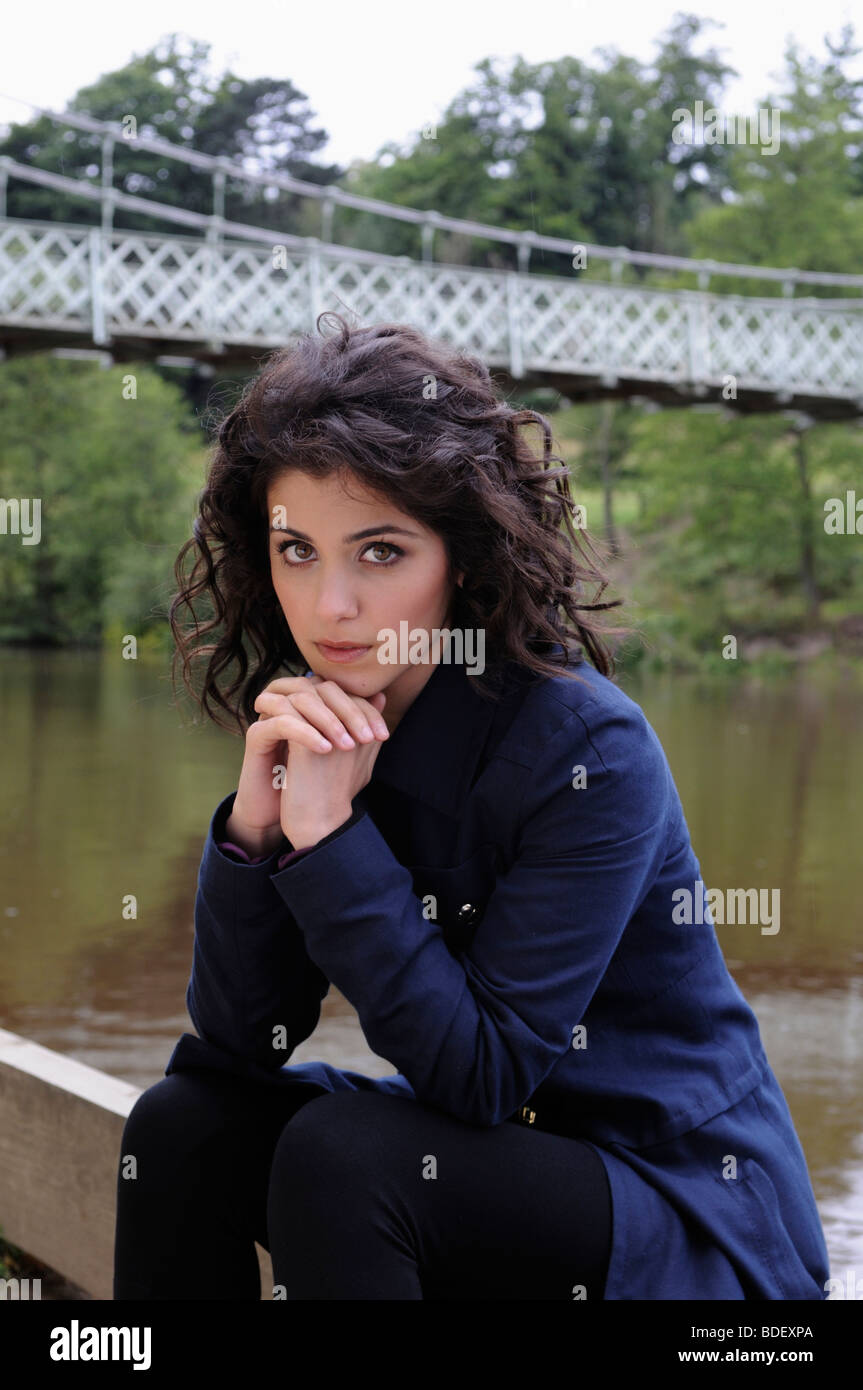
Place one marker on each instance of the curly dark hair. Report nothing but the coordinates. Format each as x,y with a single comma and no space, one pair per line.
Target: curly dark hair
421,423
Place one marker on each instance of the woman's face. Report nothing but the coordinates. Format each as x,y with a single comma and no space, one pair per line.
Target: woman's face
335,585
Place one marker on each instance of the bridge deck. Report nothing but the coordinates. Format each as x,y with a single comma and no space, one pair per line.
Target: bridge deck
138,295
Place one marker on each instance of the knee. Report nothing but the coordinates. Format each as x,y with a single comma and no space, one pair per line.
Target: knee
177,1112
339,1133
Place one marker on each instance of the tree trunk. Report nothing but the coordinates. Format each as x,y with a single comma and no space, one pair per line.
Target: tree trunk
807,532
606,418
45,631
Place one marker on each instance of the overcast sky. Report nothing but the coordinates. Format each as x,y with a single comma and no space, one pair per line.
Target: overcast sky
378,70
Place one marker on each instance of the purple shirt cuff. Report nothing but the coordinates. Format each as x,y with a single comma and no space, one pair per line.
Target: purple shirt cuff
244,858
240,855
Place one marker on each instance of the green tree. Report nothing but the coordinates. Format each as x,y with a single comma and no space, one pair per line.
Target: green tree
800,206
264,124
731,520
114,478
565,148
602,436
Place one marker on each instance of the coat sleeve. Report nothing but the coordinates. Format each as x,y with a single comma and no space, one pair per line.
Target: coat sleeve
251,972
476,1035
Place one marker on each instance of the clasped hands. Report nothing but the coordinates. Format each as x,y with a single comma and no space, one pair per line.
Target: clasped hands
327,742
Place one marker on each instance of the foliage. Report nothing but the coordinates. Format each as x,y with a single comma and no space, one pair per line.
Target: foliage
264,124
114,478
802,205
720,533
561,147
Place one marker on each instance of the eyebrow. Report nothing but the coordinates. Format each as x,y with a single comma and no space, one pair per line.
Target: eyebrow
357,535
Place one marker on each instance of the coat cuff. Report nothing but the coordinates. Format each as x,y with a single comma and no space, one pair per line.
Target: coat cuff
235,855
240,856
221,867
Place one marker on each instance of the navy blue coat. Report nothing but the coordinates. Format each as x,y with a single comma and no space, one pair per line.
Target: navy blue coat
504,926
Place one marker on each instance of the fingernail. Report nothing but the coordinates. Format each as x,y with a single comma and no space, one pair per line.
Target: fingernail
346,741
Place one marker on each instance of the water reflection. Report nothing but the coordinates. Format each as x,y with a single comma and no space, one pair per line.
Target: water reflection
108,791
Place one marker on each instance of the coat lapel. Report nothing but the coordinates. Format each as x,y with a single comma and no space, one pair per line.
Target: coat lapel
433,754
435,751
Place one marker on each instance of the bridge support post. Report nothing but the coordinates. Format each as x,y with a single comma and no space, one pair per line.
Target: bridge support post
327,209
97,286
698,345
314,279
212,257
108,189
513,314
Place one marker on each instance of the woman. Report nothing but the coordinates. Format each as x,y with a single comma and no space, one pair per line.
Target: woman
482,846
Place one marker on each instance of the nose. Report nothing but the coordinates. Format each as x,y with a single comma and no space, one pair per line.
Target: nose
335,598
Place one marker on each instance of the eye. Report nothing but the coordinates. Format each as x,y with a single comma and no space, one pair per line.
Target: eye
395,550
396,553
283,546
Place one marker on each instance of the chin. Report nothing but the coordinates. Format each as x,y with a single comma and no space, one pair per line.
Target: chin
355,682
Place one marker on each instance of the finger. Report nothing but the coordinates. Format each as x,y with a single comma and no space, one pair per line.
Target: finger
356,716
286,685
355,712
281,728
334,712
373,713
345,725
317,714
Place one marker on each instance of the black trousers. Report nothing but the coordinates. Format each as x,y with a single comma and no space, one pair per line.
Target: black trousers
356,1195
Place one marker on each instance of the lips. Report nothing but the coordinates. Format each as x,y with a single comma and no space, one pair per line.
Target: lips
341,654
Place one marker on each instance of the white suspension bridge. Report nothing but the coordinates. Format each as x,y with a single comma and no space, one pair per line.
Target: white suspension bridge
221,291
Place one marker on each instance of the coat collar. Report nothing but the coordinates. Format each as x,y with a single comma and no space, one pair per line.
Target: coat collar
434,752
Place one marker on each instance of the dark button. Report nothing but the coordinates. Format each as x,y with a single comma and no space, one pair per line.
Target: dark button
467,912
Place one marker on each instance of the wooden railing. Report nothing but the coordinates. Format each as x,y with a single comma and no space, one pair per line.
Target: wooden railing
61,1126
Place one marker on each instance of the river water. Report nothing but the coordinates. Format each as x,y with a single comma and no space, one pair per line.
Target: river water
108,788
